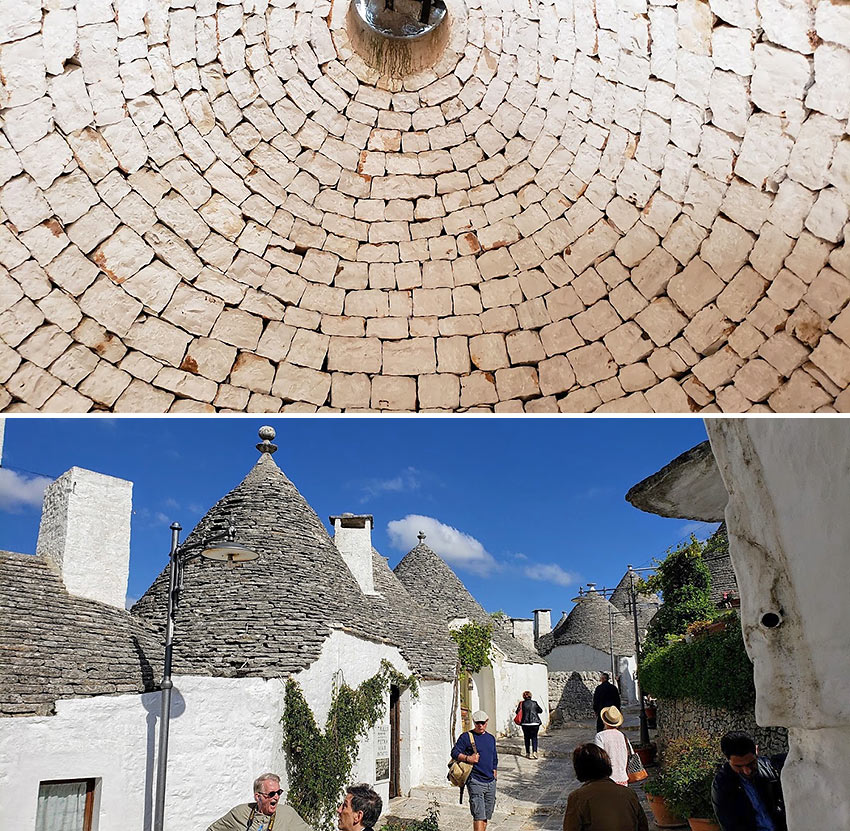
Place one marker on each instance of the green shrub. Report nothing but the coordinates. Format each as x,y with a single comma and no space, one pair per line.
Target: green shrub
713,669
689,767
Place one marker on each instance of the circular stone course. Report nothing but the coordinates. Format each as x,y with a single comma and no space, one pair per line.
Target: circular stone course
559,206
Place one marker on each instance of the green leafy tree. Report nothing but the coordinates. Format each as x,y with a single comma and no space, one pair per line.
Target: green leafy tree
684,582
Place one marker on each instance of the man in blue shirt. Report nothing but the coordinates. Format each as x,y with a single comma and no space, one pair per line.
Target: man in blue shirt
481,784
746,792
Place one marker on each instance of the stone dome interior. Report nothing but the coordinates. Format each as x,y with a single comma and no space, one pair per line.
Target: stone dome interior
579,205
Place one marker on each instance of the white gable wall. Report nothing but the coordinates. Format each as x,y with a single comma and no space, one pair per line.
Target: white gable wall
224,732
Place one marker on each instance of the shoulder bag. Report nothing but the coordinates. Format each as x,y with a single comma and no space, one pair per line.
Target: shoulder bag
459,771
634,767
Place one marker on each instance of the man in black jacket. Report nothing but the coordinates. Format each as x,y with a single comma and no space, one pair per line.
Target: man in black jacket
605,695
746,792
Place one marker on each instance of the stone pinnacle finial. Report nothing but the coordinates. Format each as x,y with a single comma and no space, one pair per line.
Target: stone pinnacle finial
421,536
266,446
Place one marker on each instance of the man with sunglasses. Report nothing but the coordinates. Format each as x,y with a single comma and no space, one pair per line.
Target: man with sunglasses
264,813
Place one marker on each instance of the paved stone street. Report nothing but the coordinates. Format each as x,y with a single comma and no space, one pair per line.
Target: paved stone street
532,794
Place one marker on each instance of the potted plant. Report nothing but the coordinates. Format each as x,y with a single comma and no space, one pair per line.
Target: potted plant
655,789
646,752
690,766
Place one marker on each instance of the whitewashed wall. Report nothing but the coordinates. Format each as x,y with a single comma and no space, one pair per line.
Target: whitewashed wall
223,733
430,735
499,689
789,538
627,671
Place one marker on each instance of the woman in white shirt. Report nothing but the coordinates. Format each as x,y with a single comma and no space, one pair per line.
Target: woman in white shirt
615,743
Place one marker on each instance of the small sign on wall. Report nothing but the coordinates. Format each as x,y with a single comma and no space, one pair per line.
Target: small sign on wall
382,752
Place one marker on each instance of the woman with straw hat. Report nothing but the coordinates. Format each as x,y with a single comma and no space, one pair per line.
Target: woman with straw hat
614,743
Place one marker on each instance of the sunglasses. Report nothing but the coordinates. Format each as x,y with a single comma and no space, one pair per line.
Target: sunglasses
270,794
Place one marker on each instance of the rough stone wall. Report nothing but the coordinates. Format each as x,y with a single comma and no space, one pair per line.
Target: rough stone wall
584,205
571,696
680,718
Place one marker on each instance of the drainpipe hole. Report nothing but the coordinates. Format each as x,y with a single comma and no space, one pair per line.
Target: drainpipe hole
770,620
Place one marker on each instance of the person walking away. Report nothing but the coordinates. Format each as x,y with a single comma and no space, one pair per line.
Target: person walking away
265,813
614,743
530,724
605,695
600,804
360,809
746,792
481,784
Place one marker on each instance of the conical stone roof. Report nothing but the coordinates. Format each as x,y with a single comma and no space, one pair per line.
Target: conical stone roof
426,642
269,617
433,584
587,624
647,604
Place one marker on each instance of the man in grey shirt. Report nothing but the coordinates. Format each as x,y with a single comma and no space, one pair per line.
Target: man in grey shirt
265,813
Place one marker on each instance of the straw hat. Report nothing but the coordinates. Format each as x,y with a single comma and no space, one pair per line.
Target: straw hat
611,716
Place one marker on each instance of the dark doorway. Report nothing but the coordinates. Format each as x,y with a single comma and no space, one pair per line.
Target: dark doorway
395,740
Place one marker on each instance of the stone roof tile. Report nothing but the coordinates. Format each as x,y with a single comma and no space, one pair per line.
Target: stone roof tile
54,645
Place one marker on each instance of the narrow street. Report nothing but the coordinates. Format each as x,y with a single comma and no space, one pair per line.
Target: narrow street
532,794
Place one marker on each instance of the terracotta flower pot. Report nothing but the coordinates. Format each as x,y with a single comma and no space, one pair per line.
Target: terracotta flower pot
647,754
698,824
664,817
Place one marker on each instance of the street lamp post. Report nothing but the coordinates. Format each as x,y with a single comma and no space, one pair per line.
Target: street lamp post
232,553
644,729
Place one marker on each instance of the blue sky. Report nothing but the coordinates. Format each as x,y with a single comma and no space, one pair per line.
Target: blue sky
525,510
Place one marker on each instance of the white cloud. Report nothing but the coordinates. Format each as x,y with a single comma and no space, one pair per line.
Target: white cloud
406,481
551,573
18,492
454,546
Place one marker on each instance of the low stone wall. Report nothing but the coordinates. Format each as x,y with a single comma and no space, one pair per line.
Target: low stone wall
571,696
682,717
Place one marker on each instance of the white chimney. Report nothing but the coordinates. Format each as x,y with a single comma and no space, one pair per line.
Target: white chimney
542,623
523,631
85,534
353,539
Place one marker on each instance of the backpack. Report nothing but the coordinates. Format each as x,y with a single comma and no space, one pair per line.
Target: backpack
459,771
